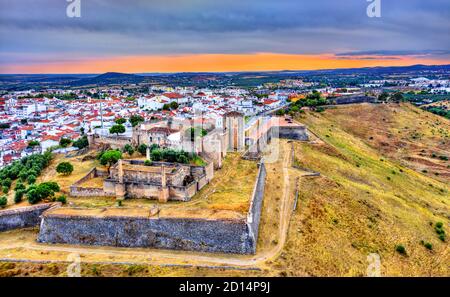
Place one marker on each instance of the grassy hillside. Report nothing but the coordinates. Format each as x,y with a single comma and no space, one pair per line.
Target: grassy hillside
368,198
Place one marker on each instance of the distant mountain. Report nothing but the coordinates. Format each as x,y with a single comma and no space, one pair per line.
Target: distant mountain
109,78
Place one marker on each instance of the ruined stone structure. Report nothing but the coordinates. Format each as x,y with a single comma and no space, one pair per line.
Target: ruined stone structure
161,181
23,217
234,127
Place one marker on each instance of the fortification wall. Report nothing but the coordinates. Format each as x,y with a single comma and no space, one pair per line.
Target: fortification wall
254,214
227,236
78,191
23,217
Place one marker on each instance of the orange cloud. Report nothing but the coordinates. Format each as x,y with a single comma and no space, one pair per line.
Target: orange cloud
214,63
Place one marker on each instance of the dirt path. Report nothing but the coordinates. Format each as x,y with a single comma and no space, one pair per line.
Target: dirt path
154,256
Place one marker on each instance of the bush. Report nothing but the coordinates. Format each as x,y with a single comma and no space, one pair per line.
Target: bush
5,190
442,237
428,245
400,249
3,201
148,163
18,196
439,225
64,168
62,199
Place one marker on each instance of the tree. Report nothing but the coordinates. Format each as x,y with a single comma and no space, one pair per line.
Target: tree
117,129
174,105
18,196
135,120
383,97
33,143
142,149
64,168
128,149
120,121
156,155
81,142
110,157
31,179
82,130
397,97
64,142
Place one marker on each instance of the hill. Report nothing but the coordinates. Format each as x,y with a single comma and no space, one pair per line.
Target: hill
109,78
370,198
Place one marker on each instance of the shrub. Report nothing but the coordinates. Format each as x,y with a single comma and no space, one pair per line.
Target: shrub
5,190
428,245
400,249
18,196
148,163
442,237
119,202
62,199
3,201
439,225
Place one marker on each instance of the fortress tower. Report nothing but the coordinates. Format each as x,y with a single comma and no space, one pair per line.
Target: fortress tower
234,125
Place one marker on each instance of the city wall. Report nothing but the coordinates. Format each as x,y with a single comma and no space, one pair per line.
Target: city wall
196,234
23,217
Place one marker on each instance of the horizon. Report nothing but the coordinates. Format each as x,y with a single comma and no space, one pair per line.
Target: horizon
230,72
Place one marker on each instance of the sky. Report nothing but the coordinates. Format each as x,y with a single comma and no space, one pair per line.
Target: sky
135,36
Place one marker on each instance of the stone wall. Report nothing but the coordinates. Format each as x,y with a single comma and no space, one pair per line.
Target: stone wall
254,214
23,217
226,236
77,191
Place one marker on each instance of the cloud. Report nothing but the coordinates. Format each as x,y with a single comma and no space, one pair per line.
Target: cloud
41,31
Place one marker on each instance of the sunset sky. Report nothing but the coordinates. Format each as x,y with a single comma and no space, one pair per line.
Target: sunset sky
137,36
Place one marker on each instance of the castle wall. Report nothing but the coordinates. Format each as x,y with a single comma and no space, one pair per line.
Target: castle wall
23,217
226,236
254,214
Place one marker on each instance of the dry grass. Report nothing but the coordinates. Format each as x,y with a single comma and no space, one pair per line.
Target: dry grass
364,202
81,168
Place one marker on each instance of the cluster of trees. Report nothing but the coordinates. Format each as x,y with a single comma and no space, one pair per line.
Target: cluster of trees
65,142
81,142
171,155
42,191
439,111
394,97
313,100
27,169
